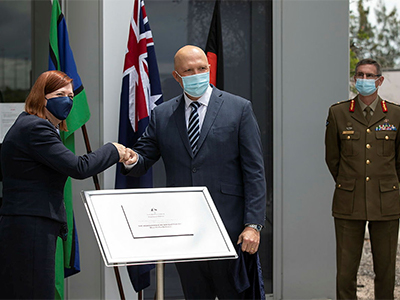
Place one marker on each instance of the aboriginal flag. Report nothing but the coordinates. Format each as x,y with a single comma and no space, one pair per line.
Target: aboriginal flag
214,49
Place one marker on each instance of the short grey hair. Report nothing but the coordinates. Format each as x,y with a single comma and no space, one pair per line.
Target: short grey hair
369,61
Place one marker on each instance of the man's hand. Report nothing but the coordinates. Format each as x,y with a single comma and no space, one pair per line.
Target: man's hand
250,239
126,155
132,158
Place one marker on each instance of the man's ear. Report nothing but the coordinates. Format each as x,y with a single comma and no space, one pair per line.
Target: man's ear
177,78
381,79
175,75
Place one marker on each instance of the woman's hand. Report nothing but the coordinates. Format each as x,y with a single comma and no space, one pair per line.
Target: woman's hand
126,155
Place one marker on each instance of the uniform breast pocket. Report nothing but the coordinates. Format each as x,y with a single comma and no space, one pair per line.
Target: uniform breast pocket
386,142
349,143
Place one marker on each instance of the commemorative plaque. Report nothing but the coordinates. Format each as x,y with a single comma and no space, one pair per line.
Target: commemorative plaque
141,226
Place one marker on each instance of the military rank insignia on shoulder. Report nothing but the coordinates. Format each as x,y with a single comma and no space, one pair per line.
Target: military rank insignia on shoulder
352,105
393,103
384,106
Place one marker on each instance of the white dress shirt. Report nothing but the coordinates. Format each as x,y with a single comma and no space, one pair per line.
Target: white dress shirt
204,100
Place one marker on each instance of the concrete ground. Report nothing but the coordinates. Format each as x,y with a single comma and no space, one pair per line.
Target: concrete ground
365,279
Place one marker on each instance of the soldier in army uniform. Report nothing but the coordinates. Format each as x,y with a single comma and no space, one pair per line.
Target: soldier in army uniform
363,155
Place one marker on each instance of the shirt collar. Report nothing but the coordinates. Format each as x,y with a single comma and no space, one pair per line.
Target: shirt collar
372,105
203,100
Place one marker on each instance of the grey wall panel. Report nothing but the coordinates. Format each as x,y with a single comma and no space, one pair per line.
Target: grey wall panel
114,27
84,28
311,58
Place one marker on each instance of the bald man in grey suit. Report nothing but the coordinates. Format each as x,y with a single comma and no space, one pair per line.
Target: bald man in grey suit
227,158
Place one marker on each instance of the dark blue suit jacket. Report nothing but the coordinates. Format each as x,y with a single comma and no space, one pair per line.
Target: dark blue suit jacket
228,161
36,164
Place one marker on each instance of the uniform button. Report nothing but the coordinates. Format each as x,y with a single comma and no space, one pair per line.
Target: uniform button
367,179
368,161
339,185
194,170
368,146
394,187
348,137
368,130
386,137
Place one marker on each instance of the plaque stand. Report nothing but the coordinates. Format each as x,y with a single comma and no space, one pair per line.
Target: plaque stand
157,226
160,281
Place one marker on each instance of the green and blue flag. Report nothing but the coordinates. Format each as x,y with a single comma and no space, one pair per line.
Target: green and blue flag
61,58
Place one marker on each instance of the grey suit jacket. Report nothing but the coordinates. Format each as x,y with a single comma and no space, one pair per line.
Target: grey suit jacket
229,159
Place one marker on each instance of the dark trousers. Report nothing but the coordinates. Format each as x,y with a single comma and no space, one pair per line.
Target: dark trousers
206,280
27,257
349,245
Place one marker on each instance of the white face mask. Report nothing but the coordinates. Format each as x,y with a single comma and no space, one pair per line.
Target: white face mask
195,85
366,87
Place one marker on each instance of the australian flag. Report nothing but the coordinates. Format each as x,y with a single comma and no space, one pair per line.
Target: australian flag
141,92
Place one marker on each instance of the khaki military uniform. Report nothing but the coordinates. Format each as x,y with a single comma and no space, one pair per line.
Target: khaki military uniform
364,160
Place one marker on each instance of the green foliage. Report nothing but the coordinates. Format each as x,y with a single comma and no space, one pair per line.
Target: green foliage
353,62
381,41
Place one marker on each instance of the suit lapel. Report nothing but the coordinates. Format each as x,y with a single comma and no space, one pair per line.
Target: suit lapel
212,111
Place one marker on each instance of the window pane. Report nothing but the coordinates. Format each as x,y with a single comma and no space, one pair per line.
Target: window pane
15,50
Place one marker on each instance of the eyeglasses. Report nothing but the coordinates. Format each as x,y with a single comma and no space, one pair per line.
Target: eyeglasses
360,75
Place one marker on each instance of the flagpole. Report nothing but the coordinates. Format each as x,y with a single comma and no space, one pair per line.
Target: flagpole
97,186
88,150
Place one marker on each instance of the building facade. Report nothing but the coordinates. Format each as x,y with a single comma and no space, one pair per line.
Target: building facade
289,57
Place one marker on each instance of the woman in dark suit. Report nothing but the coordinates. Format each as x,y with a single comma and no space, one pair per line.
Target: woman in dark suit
35,166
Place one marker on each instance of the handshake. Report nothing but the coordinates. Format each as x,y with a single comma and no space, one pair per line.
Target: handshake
126,155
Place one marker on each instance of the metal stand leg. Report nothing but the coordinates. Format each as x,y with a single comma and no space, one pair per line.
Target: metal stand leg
160,281
119,283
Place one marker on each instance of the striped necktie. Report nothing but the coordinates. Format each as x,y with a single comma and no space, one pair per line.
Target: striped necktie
194,126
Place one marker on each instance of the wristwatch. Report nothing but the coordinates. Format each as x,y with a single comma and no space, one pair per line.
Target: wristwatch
255,226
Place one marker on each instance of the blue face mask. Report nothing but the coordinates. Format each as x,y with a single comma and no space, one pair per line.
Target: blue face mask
59,107
366,87
195,85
